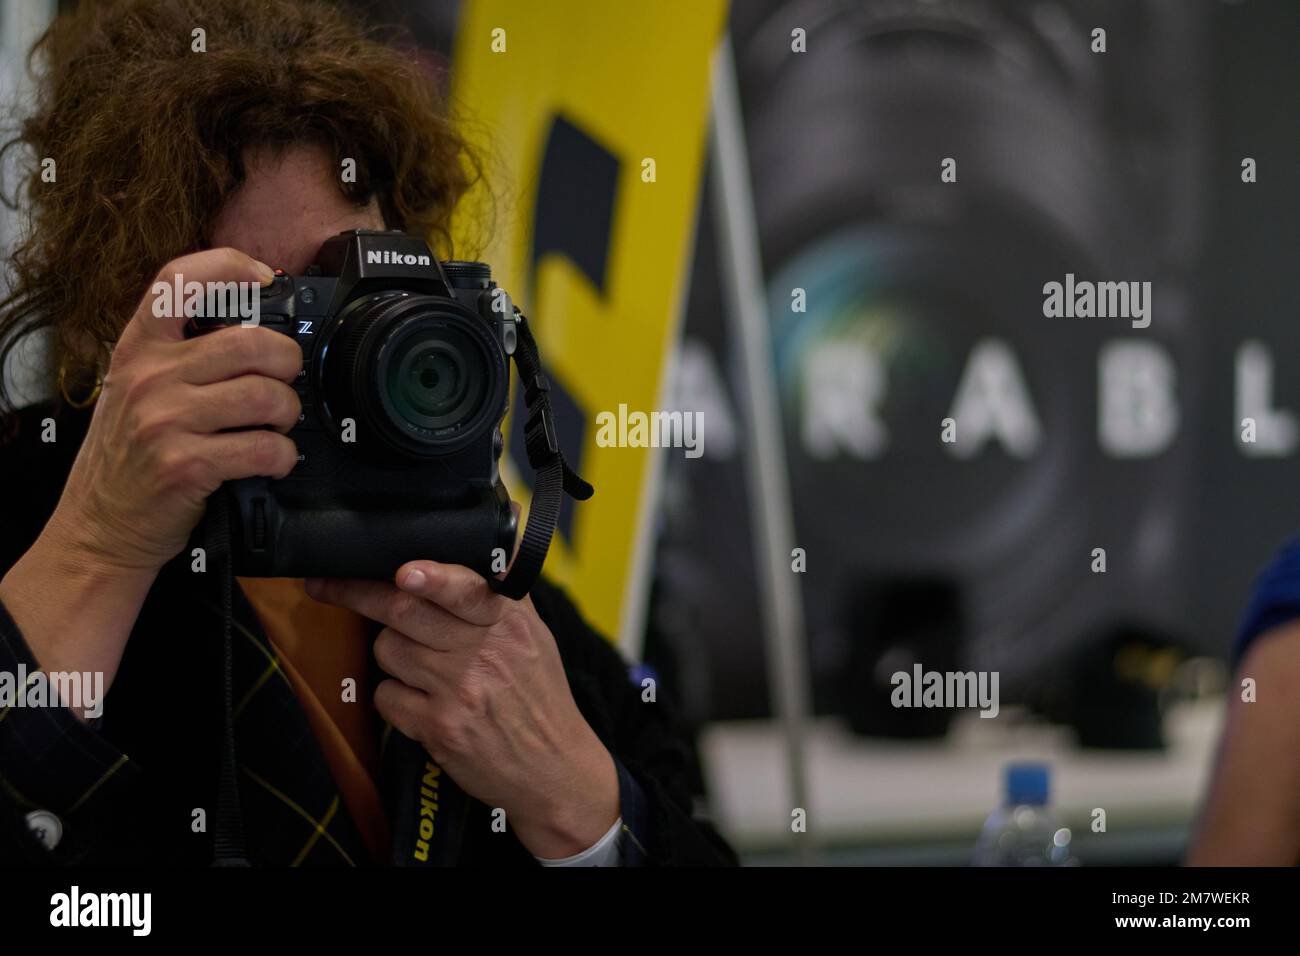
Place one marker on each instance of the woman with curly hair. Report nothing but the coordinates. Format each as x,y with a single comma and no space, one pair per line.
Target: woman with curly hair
174,163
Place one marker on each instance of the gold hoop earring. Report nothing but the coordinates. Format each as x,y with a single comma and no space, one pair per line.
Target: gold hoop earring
85,402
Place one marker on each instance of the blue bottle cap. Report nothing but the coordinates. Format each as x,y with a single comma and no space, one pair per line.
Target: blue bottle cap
1027,783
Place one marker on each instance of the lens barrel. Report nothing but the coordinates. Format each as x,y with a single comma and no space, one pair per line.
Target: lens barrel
421,372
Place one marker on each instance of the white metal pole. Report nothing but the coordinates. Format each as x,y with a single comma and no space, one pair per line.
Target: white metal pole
769,493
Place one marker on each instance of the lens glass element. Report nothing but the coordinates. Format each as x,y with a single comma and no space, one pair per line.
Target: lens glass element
435,377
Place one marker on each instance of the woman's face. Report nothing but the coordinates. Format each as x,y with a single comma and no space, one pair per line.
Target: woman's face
288,205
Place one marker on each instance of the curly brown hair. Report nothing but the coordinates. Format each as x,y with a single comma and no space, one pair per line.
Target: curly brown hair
148,139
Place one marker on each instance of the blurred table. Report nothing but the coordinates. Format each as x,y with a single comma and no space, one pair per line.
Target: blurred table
897,802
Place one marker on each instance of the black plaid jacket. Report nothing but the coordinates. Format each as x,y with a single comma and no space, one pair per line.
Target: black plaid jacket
127,790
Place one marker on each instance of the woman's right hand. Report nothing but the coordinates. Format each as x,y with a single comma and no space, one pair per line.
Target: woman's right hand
157,445
159,442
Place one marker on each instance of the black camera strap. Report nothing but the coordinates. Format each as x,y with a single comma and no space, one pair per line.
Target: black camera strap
553,478
228,826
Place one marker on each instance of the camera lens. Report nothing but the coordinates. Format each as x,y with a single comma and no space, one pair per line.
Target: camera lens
419,372
434,378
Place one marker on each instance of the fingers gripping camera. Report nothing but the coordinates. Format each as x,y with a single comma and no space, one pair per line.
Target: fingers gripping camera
404,386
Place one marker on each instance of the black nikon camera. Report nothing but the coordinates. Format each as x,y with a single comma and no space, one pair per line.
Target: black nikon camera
404,386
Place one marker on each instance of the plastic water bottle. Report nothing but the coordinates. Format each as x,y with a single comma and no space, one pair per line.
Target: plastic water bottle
1023,831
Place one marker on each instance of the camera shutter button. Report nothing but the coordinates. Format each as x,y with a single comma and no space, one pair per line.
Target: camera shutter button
277,287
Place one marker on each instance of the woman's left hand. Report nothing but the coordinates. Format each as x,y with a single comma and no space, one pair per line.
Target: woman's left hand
479,682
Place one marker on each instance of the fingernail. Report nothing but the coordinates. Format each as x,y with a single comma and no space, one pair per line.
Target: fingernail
266,272
414,579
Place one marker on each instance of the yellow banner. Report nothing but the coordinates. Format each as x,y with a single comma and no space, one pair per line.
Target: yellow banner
593,116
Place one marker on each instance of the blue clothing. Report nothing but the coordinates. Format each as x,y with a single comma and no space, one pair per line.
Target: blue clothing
1276,599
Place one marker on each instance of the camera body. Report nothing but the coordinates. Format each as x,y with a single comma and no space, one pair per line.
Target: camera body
404,386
